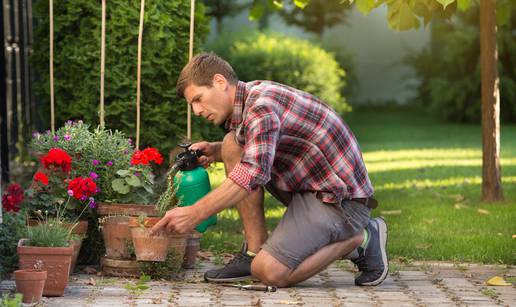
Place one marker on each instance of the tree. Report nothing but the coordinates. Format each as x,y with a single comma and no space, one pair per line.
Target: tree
405,15
317,16
219,9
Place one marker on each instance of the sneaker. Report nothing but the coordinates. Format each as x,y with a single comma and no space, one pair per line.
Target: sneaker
372,261
238,269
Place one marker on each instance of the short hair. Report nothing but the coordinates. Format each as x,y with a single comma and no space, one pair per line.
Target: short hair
201,69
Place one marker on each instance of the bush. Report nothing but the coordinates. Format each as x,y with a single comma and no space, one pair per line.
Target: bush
77,64
450,70
12,229
291,61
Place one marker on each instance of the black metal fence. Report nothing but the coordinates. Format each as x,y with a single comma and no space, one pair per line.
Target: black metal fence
18,104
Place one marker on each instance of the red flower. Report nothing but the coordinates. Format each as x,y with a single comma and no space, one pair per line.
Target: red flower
41,177
82,188
12,198
146,156
57,158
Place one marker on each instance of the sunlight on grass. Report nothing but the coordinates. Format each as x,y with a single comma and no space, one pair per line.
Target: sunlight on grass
444,182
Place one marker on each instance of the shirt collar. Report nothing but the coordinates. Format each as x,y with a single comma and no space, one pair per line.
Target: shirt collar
238,106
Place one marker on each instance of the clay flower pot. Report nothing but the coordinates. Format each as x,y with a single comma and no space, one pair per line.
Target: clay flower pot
155,247
30,284
56,261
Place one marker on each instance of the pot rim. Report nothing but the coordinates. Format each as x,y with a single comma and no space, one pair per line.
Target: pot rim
30,274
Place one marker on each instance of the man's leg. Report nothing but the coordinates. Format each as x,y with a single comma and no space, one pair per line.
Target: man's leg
272,272
251,213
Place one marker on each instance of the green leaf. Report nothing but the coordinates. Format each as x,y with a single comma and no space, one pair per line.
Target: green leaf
148,188
144,279
134,181
463,4
256,11
503,12
445,3
123,172
400,16
301,3
119,186
276,4
365,6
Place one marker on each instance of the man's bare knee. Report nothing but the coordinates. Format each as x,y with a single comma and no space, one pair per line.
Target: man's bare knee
230,151
269,272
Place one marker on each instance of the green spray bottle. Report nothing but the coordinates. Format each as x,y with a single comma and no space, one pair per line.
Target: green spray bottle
192,182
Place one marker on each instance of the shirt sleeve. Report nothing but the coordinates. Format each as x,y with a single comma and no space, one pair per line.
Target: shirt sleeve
262,126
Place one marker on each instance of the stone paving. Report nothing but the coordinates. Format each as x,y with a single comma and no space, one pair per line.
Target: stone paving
417,284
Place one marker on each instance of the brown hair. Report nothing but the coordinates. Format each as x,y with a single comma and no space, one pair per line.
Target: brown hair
201,69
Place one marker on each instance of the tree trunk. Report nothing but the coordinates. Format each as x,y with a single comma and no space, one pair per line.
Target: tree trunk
491,172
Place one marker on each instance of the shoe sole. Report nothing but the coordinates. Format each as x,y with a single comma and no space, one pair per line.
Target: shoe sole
382,230
228,280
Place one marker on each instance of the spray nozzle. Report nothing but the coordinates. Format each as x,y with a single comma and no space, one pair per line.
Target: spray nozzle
187,160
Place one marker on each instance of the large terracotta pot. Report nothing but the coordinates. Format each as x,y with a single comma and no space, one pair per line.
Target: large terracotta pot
105,209
30,284
119,268
56,261
155,247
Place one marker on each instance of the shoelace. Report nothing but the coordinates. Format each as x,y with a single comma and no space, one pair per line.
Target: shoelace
239,258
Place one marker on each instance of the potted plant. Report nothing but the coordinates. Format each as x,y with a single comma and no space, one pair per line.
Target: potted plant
155,247
30,282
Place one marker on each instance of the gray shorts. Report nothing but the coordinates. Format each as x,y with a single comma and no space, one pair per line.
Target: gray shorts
309,224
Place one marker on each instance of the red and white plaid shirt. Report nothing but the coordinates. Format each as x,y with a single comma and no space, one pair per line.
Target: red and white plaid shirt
297,142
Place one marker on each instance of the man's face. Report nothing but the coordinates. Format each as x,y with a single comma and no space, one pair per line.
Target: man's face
213,103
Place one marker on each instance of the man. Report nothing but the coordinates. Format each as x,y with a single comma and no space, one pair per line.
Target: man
302,152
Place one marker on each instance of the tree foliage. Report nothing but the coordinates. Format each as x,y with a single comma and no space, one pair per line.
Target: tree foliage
77,64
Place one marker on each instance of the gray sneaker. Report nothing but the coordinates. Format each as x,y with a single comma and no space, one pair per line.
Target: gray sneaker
372,261
238,269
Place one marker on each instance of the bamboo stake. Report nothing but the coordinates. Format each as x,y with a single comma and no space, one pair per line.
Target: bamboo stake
102,62
190,55
52,112
140,34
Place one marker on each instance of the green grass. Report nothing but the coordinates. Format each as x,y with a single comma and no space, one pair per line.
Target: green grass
427,177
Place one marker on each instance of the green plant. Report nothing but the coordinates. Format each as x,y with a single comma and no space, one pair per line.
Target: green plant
449,69
77,59
12,229
52,233
10,301
291,61
168,199
138,287
163,269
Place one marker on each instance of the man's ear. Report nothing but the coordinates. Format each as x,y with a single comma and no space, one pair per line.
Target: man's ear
220,82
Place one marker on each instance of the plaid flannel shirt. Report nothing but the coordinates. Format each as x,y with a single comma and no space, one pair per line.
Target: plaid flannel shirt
297,142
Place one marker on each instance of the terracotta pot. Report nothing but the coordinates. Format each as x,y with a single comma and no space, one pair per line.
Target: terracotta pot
30,284
119,268
117,236
56,261
104,209
76,244
154,247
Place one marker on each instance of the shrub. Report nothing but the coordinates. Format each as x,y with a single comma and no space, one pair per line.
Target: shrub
12,229
450,70
77,68
291,61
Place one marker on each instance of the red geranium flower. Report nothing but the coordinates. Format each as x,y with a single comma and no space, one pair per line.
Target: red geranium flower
41,177
146,156
12,198
82,188
57,158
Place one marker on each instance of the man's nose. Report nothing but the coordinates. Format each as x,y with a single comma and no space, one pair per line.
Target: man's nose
197,109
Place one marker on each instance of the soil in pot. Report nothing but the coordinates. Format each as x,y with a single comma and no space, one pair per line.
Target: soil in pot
30,284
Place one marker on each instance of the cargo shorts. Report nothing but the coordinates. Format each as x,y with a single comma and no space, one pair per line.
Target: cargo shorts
309,224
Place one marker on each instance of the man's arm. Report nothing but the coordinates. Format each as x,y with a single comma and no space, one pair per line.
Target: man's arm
184,219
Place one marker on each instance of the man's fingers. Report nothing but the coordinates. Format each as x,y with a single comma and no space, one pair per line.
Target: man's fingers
159,226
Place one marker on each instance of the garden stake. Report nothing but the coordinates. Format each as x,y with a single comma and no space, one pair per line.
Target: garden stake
263,288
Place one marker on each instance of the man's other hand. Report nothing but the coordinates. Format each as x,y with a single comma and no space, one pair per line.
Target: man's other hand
209,153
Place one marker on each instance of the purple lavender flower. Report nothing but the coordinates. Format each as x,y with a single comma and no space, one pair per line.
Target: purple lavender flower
35,134
55,138
130,141
95,162
70,193
67,137
125,151
94,175
84,197
80,122
109,163
97,190
92,204
137,174
48,132
69,123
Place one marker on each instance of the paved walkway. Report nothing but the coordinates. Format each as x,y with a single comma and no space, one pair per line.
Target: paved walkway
418,284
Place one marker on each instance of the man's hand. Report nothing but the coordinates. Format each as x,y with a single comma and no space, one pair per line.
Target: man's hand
211,152
179,220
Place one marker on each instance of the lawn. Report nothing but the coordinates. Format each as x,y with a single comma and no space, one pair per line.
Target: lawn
427,177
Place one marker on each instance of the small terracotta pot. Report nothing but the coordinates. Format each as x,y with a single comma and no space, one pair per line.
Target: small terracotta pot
30,284
119,268
191,250
155,247
56,261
